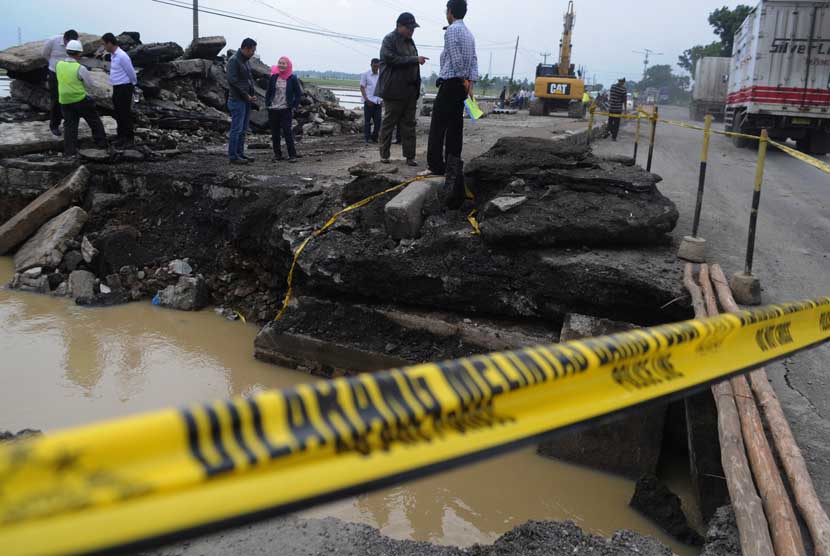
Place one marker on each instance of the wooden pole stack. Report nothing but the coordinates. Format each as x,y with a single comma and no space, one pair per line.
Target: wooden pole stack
788,451
767,523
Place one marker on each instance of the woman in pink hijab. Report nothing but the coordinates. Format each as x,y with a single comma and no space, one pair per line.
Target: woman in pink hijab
282,98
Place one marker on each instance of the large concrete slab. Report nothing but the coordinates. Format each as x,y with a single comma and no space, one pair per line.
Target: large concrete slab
34,137
28,57
47,246
48,205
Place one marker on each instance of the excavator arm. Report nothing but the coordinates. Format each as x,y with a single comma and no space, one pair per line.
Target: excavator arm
567,41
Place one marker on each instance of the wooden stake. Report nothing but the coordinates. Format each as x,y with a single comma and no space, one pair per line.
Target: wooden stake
749,513
793,461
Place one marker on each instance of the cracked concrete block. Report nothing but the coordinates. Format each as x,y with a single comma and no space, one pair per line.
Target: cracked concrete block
404,214
48,205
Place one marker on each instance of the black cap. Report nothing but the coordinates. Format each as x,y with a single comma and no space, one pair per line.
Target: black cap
407,19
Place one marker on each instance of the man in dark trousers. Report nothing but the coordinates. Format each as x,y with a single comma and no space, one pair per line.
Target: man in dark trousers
399,85
372,104
459,71
616,105
240,100
75,104
55,51
123,80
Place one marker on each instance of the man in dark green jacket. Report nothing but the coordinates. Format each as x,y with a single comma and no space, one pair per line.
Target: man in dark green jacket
399,85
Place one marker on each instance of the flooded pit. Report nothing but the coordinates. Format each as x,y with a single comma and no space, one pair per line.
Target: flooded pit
64,365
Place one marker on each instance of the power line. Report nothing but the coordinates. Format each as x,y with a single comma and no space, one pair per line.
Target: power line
647,52
266,22
302,21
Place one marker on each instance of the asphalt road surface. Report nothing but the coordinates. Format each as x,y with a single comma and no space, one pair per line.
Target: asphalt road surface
792,254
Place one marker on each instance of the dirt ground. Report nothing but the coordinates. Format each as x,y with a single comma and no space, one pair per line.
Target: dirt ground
331,156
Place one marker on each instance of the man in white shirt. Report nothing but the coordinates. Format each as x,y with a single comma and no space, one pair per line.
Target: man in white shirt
54,51
124,80
372,105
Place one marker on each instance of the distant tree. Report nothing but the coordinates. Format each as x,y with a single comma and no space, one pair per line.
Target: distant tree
726,22
485,83
662,77
688,60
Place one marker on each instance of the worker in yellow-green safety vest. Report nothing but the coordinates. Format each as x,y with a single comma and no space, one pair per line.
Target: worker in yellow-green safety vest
74,101
586,102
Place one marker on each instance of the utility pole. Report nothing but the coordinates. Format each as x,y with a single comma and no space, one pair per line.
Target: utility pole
195,19
490,67
545,56
647,52
19,36
515,53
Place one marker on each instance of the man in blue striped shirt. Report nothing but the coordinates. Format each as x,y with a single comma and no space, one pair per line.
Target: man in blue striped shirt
459,71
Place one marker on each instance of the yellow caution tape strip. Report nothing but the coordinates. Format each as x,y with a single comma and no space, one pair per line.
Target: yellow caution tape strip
132,482
471,218
317,233
621,116
823,166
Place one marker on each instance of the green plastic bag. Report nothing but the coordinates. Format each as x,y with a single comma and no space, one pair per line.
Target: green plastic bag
473,111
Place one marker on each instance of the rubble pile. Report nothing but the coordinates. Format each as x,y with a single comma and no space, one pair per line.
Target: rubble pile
601,251
183,90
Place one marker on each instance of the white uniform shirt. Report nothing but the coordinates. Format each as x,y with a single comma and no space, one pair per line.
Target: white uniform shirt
54,51
369,81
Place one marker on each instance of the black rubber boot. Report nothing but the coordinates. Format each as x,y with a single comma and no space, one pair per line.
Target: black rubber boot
454,182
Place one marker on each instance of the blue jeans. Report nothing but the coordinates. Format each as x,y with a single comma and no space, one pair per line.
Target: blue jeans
240,116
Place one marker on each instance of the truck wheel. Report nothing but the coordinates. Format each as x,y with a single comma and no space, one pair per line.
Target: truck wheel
576,109
819,143
537,107
737,127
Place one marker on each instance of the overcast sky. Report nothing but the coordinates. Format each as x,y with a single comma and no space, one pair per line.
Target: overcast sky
607,31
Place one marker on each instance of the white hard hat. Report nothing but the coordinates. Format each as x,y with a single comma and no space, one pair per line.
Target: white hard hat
74,46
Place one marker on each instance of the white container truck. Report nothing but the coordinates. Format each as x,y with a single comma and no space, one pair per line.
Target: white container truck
710,89
780,74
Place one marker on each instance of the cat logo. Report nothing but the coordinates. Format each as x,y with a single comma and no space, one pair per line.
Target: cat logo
563,89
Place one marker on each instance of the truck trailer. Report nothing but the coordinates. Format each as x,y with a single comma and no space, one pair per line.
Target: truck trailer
710,89
780,75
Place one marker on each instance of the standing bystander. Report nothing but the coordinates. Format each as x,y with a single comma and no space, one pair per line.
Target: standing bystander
616,105
241,100
283,97
55,51
459,72
372,104
123,80
399,85
75,103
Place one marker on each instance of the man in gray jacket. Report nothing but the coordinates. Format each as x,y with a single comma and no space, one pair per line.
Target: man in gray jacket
240,100
399,85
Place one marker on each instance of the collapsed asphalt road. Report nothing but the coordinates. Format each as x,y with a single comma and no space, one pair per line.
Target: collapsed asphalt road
791,256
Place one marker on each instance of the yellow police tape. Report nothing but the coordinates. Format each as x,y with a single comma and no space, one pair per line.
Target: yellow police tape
163,475
471,218
814,162
823,166
317,233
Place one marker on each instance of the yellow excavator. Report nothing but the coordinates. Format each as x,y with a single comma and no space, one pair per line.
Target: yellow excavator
558,88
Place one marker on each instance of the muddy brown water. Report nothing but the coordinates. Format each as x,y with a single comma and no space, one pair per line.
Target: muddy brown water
64,365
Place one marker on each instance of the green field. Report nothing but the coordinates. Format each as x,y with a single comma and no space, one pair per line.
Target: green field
345,83
334,83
